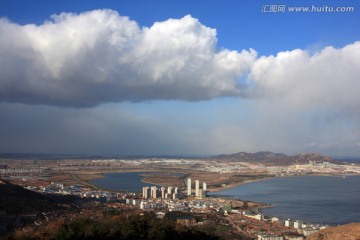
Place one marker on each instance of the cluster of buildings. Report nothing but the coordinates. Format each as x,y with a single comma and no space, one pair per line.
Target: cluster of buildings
168,205
271,237
86,193
21,173
169,192
168,197
163,192
188,205
303,228
161,198
200,193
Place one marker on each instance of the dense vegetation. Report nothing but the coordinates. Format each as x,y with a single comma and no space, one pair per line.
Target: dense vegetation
130,227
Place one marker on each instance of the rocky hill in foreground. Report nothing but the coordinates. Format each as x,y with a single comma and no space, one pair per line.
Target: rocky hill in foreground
269,158
18,200
345,232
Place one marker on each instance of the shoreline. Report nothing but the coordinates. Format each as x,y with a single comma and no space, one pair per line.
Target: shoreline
142,180
235,184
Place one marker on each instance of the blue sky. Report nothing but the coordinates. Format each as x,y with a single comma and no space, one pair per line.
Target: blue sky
239,24
176,87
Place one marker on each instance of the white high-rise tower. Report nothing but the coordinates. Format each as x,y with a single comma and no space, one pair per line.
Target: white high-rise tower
163,192
189,186
197,188
145,192
204,186
169,190
154,192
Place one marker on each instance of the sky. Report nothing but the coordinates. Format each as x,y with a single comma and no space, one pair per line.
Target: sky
179,77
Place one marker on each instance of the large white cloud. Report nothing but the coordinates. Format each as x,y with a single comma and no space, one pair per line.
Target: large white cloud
99,56
327,80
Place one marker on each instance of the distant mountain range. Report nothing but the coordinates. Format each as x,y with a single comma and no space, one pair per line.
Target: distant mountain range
270,158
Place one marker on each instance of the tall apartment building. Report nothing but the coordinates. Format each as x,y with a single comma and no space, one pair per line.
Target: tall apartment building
145,192
204,186
197,188
154,191
169,190
189,186
163,189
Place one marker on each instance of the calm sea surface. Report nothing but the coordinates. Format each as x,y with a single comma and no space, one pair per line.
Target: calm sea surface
316,199
128,181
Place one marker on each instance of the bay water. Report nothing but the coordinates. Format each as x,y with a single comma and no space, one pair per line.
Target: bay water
126,181
328,200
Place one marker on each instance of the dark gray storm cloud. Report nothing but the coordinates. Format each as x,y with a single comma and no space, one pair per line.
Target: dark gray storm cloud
104,130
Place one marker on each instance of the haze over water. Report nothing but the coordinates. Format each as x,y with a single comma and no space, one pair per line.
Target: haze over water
316,199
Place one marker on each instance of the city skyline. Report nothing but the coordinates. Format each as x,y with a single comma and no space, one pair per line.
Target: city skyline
178,78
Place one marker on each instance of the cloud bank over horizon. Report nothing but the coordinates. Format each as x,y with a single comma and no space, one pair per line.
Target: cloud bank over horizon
61,82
